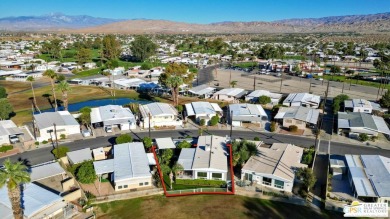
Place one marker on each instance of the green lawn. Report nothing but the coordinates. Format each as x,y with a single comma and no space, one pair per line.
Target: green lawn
87,73
246,64
342,78
206,206
175,186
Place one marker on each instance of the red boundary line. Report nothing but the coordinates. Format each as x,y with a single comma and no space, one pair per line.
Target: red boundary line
196,193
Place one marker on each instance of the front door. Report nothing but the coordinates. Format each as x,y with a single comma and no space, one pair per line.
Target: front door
248,177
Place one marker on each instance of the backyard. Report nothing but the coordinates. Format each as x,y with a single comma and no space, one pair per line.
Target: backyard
206,206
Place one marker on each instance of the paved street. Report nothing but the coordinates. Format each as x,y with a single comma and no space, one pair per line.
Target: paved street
43,154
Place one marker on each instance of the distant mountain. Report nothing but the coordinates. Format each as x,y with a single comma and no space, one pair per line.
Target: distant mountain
53,21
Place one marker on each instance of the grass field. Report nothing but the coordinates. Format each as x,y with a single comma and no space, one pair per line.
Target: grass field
342,78
206,206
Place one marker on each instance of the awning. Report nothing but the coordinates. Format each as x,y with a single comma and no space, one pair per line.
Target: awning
189,109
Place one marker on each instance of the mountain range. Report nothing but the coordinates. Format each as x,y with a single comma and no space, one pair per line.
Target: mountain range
371,23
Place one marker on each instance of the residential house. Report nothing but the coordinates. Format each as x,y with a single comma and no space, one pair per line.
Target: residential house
8,130
254,96
202,91
302,99
369,177
79,156
203,110
129,169
44,125
358,105
165,143
229,94
159,115
353,124
299,116
89,65
113,115
128,83
274,167
241,113
209,160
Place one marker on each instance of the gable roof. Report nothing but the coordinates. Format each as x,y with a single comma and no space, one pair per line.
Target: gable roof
234,92
45,170
112,114
8,127
157,108
211,153
259,93
79,156
301,113
195,108
60,118
202,89
186,158
362,120
303,98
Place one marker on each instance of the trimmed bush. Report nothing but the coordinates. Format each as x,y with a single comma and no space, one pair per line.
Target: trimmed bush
45,142
273,126
184,144
62,136
256,139
6,148
125,138
36,143
202,122
200,182
264,100
60,151
214,120
363,137
293,128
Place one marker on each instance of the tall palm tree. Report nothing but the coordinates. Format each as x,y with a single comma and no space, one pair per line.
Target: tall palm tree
31,80
64,87
174,82
52,75
12,175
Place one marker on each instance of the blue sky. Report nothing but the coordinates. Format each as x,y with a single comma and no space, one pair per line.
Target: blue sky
200,11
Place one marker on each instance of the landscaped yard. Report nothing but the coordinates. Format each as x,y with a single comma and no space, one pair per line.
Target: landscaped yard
206,206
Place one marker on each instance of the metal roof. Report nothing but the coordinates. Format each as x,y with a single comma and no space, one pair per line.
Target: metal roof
358,120
234,92
104,166
79,156
151,159
45,170
381,125
195,108
186,158
211,153
60,118
165,143
202,89
8,127
259,93
112,115
301,113
357,103
302,98
157,109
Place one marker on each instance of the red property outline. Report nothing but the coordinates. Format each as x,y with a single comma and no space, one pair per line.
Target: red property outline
197,193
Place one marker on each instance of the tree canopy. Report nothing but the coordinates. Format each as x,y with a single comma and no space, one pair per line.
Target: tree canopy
86,173
142,48
84,55
3,92
338,101
242,150
111,47
264,99
125,138
385,100
5,109
184,144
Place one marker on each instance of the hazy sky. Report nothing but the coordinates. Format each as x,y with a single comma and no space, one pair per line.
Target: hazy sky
200,11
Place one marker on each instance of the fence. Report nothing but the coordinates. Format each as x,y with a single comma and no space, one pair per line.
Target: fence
197,191
128,195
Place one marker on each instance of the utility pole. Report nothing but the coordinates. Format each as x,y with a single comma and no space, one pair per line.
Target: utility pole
55,133
254,82
231,123
149,125
281,83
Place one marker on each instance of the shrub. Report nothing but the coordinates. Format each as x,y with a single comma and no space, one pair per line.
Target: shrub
200,182
125,138
264,100
184,144
202,122
6,148
293,128
36,143
214,120
147,142
179,108
60,151
44,142
62,136
256,139
307,158
374,138
273,126
86,173
363,137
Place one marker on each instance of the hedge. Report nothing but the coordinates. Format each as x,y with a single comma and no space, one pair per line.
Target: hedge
200,182
6,148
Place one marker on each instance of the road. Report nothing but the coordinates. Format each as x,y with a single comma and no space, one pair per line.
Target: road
43,154
205,76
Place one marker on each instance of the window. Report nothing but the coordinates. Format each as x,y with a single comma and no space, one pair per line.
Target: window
267,181
202,175
288,121
119,187
146,183
279,184
141,184
216,175
125,186
298,122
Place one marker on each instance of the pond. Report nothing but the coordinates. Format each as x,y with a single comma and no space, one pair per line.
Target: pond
74,107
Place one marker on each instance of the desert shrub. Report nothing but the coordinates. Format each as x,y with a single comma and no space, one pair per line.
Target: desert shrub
60,151
214,120
293,128
363,137
273,126
202,122
6,148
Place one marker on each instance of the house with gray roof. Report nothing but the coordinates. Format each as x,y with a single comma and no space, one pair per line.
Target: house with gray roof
113,115
44,125
229,94
274,167
302,99
79,156
209,160
253,97
160,115
8,129
241,113
129,169
369,177
203,110
358,105
355,123
299,116
203,90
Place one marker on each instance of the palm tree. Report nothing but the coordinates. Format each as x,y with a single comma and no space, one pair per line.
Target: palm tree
177,168
233,84
31,80
64,87
12,175
174,82
52,75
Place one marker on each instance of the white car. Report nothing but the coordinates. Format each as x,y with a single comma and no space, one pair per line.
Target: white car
108,129
86,133
13,139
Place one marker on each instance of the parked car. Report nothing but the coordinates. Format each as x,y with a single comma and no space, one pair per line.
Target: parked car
108,129
86,133
14,139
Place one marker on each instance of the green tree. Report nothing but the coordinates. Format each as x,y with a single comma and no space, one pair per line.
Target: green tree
363,137
335,69
60,151
52,76
307,176
64,87
165,169
86,172
146,66
3,92
174,83
166,156
5,109
111,47
214,120
233,83
202,122
55,49
13,175
83,56
184,144
177,168
124,138
147,142
85,115
337,101
142,48
242,151
385,100
31,80
174,76
264,100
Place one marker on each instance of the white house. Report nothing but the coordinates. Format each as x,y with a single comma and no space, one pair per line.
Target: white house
129,169
241,113
203,110
203,90
358,105
254,96
128,83
229,94
160,114
209,160
274,167
79,156
44,125
353,124
8,129
89,65
299,116
113,115
302,99
369,177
